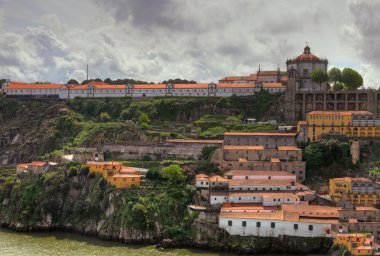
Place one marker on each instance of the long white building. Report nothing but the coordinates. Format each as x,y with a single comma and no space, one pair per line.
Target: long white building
290,220
101,90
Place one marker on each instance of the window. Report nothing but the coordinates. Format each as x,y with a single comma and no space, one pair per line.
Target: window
258,224
244,223
230,223
295,226
311,227
272,224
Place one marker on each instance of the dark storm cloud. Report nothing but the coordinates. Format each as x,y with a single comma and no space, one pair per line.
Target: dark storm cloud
367,24
149,14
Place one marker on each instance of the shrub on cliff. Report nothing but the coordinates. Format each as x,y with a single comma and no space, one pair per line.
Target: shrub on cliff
173,174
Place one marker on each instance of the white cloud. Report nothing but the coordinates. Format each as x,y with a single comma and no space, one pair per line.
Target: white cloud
200,40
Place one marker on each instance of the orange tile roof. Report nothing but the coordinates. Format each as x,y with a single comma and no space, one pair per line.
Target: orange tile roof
273,85
366,208
190,86
233,147
288,148
310,208
195,141
277,215
319,220
260,134
37,163
201,177
149,86
266,183
97,86
20,86
235,86
245,206
343,113
23,165
217,178
259,173
127,170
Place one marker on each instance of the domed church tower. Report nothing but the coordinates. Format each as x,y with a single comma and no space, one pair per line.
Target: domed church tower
304,64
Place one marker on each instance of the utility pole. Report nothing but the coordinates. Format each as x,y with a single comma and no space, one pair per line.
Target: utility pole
87,72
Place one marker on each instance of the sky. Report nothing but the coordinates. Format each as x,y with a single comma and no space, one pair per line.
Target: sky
156,40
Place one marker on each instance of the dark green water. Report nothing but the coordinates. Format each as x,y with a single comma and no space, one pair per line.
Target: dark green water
57,244
62,243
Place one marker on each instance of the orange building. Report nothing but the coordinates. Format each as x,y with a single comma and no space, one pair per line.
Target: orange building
116,174
356,243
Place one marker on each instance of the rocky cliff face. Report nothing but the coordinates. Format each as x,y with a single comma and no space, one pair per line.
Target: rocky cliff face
88,205
27,128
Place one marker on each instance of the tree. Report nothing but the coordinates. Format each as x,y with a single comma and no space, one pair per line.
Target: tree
319,75
313,156
72,81
143,118
179,81
173,174
352,79
335,76
338,86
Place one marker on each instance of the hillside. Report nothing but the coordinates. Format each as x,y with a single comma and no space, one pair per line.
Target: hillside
32,128
87,204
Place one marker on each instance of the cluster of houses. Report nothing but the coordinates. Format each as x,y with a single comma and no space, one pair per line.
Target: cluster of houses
260,194
95,89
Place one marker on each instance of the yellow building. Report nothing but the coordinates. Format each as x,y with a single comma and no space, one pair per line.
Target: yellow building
356,243
116,174
124,180
356,191
348,123
104,167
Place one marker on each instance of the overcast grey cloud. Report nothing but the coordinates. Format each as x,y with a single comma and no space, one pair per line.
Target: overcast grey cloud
155,40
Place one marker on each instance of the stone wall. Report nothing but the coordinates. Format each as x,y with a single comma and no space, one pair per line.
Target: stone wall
298,103
191,149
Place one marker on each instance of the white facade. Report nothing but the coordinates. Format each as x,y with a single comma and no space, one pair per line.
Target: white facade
94,90
270,199
249,227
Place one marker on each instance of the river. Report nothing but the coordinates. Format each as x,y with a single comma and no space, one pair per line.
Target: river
63,243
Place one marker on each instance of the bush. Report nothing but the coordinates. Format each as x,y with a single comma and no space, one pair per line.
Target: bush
104,117
73,171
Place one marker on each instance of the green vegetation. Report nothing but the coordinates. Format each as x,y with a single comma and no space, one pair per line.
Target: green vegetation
327,158
173,174
83,202
319,75
347,79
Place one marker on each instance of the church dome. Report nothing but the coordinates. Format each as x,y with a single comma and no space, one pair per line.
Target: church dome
307,55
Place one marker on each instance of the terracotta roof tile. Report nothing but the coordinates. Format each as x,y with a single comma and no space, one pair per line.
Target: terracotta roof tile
260,134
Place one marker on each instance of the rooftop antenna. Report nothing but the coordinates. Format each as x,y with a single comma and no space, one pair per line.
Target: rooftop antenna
87,72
